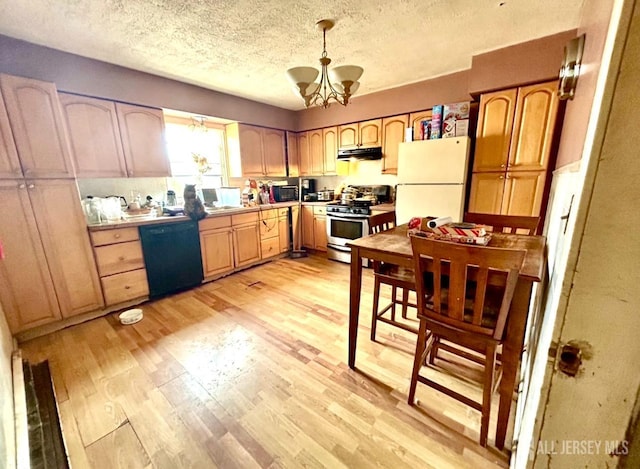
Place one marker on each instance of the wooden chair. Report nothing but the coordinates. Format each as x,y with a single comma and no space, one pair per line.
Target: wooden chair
505,223
392,275
444,273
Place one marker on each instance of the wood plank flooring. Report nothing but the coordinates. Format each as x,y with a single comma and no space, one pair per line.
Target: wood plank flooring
250,372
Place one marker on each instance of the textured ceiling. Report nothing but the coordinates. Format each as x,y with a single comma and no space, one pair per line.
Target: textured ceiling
244,47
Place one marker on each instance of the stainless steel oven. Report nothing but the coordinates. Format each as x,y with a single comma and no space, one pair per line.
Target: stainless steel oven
342,228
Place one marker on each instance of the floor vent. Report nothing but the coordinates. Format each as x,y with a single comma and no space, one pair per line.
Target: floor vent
46,445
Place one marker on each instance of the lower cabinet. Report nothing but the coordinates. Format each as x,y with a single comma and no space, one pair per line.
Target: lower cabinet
274,232
314,227
118,253
48,271
507,193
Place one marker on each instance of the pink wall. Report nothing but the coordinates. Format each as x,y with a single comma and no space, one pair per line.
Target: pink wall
594,23
529,62
80,75
414,97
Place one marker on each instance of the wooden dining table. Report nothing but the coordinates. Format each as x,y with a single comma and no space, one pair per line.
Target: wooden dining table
394,246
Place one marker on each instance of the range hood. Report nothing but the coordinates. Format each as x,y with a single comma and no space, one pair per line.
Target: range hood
371,153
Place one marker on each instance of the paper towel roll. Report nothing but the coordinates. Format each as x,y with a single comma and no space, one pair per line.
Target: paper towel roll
439,222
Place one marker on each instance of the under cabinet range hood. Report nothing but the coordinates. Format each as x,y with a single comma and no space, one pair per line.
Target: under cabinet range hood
371,153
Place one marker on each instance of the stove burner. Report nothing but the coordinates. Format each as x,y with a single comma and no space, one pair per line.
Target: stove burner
338,208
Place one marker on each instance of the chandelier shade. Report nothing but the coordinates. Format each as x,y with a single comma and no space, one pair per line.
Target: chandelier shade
337,84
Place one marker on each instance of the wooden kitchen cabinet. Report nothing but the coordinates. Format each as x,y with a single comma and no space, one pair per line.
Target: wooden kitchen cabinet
304,154
26,287
283,230
261,151
269,233
296,228
314,227
217,251
415,121
513,150
393,129
123,275
49,272
9,161
330,148
293,154
316,152
37,126
246,238
143,142
361,134
94,136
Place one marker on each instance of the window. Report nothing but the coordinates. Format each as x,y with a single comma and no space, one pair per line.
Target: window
191,139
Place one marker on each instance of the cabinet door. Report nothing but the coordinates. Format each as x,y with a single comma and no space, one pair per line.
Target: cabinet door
26,289
246,244
296,228
305,156
330,140
38,127
523,193
486,194
415,121
535,120
495,125
143,142
9,162
293,154
348,136
392,135
371,133
217,251
274,153
320,233
251,151
316,152
94,135
63,230
283,228
308,238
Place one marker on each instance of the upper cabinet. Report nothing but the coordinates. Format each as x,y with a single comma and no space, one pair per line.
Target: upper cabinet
293,154
361,134
330,142
37,126
393,129
142,134
94,135
304,155
316,152
415,121
261,151
9,162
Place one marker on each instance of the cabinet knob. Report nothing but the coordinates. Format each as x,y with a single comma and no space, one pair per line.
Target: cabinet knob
502,165
127,287
31,186
501,177
22,186
117,235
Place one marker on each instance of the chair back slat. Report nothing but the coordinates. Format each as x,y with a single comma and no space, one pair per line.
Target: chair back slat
505,223
453,282
381,222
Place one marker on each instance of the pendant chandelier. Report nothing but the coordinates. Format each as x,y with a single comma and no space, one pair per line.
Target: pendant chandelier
337,84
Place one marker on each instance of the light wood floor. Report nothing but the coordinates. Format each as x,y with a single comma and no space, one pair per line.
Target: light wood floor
250,371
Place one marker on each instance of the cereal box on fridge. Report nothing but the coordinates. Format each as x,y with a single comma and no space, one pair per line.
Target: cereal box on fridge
452,114
436,122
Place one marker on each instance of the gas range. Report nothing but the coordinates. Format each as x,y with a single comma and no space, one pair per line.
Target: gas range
353,210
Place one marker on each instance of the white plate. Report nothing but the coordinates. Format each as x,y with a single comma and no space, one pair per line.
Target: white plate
131,316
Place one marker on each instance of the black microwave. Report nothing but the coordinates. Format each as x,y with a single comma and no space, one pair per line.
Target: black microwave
285,193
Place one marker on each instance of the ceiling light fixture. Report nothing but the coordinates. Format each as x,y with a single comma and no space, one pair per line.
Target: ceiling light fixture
338,84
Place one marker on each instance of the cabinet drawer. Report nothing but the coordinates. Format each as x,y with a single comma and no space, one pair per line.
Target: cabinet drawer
270,247
282,212
244,218
119,235
117,258
319,210
268,214
214,223
269,228
124,287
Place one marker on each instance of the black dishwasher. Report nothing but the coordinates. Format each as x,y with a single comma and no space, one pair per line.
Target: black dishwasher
172,256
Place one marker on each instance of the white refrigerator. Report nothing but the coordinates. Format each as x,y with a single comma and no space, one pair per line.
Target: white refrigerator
432,176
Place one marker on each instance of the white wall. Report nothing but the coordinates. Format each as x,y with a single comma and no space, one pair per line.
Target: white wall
7,426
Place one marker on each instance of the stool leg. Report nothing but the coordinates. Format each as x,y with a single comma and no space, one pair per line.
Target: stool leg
374,313
405,300
393,303
421,344
434,350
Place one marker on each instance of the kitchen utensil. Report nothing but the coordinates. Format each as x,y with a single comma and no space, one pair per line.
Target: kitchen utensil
131,316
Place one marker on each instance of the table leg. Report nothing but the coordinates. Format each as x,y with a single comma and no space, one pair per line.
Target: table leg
355,286
511,353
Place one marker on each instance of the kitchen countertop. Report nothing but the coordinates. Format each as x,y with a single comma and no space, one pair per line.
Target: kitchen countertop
178,218
389,207
324,202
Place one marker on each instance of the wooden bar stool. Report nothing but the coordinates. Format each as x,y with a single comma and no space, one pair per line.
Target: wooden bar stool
388,274
447,311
